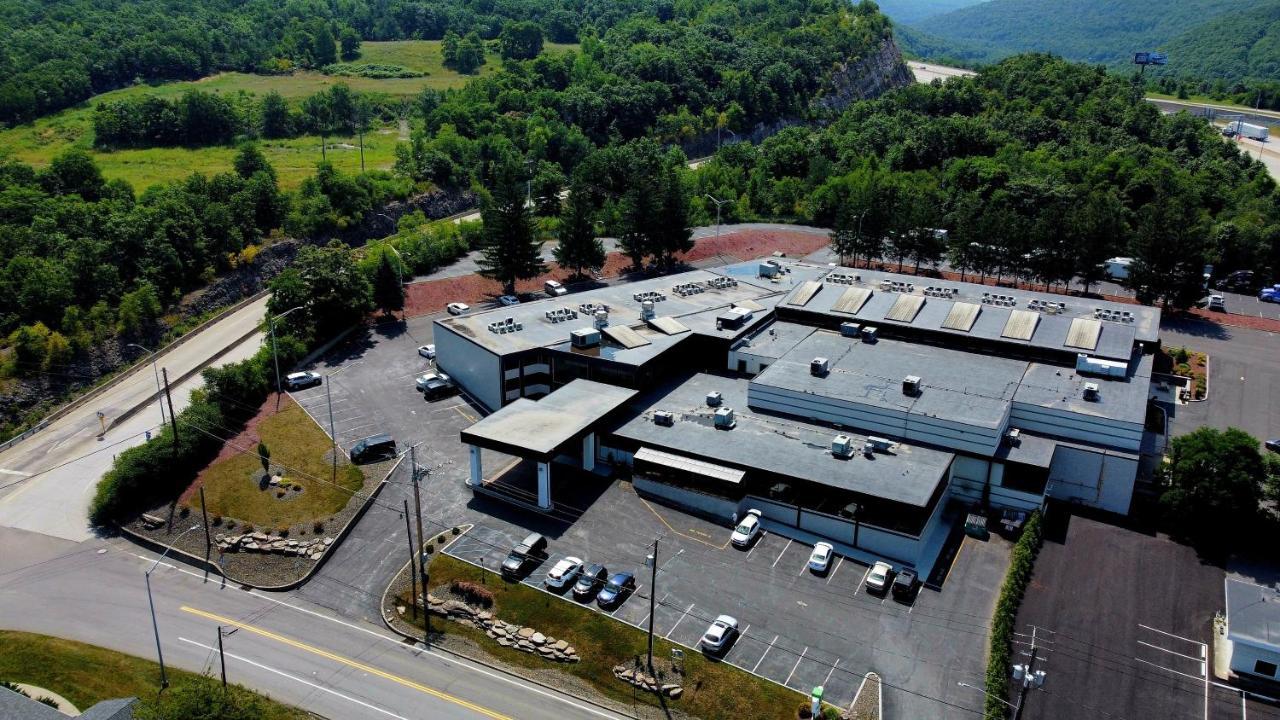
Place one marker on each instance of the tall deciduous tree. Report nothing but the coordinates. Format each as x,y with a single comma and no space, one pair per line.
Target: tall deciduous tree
520,40
1213,483
349,39
511,249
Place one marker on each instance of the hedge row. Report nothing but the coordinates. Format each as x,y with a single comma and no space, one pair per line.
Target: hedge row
158,470
1000,657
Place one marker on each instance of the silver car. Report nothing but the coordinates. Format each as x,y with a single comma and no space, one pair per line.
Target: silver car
720,634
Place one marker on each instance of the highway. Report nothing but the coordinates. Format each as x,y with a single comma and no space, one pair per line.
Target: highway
928,72
291,650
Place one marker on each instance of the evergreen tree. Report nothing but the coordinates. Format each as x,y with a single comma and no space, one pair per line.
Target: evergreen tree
388,292
510,251
670,230
349,39
579,247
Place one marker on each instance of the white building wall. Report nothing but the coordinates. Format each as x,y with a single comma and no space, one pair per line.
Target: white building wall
1076,426
1093,478
1245,656
475,369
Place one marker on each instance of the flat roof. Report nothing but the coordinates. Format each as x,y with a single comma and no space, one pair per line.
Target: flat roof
697,467
965,387
1010,323
773,340
1062,388
1253,614
537,330
542,426
784,446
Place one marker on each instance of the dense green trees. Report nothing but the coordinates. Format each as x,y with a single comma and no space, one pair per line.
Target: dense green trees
520,40
464,54
511,248
1213,483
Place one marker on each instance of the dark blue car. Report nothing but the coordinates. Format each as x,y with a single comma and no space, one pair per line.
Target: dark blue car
617,589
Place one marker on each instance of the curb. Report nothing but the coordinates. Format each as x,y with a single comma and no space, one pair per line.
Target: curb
497,668
210,566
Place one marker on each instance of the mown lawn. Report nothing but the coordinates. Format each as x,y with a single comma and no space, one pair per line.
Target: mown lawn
713,690
87,674
297,445
294,159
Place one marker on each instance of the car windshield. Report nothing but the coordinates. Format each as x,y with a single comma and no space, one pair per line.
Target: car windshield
613,586
744,527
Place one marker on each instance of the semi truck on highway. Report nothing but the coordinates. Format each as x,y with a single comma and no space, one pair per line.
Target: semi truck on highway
1244,129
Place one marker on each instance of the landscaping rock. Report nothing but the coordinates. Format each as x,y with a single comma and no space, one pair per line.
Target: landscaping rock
316,556
675,692
328,541
525,633
560,645
538,638
504,642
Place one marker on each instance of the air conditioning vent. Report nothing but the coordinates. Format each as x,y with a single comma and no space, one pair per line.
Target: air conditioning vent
911,385
663,418
714,398
850,329
1013,437
879,444
646,310
585,338
602,318
724,419
842,446
1091,392
870,334
819,367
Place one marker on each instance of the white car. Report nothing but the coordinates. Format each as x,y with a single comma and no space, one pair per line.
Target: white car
553,288
300,380
428,380
820,558
508,300
427,351
457,308
721,632
878,577
565,573
1216,302
747,530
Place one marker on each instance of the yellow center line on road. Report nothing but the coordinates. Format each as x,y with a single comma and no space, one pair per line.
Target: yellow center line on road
349,663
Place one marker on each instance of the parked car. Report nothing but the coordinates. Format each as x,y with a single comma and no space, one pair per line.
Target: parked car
618,589
1241,281
1270,294
820,558
531,551
564,573
553,288
372,448
748,529
590,581
457,308
427,351
435,385
1216,302
879,577
508,300
300,380
720,634
1273,445
904,585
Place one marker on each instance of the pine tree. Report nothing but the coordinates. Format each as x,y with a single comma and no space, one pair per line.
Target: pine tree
388,292
511,251
579,247
671,231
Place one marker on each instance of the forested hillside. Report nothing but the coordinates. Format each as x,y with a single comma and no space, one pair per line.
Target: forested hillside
910,11
1037,168
1239,45
1095,31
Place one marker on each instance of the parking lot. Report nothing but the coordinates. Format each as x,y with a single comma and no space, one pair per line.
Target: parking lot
797,628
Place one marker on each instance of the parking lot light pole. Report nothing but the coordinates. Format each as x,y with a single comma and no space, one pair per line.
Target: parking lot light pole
653,597
993,697
164,680
718,204
271,321
156,373
333,435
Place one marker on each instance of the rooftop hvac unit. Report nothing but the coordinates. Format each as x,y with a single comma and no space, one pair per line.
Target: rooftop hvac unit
850,329
870,334
842,446
819,367
1091,391
1013,436
714,398
585,338
724,419
911,385
663,418
646,310
879,444
602,318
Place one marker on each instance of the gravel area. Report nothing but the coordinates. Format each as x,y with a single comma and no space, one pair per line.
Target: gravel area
867,705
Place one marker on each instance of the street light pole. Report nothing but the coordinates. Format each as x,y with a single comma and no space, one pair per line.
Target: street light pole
653,596
333,435
164,680
718,204
271,321
993,697
156,373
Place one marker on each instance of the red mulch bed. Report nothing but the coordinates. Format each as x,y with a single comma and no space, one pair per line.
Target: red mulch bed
248,438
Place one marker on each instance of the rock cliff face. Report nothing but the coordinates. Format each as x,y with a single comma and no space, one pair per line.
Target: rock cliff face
879,72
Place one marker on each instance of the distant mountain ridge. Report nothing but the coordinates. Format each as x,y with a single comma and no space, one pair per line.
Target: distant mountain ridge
912,11
1205,38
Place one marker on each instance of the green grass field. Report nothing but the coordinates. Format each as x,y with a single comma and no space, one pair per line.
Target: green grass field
37,143
299,447
87,674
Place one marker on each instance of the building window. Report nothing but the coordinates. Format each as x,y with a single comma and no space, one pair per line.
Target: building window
1262,667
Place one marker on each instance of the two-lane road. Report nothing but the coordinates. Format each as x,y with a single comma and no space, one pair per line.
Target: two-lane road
285,647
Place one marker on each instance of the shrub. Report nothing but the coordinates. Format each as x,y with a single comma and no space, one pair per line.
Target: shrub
283,532
1000,660
473,593
318,527
217,521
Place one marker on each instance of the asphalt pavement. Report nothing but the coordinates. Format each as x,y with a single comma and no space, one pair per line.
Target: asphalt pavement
1244,378
290,649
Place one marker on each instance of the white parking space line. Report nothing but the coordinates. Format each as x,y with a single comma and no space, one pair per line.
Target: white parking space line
835,569
784,550
833,669
863,581
759,541
1171,652
766,652
793,667
683,615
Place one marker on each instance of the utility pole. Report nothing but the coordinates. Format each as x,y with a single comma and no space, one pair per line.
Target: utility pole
422,562
208,544
173,419
718,204
271,325
223,658
653,597
413,568
1030,676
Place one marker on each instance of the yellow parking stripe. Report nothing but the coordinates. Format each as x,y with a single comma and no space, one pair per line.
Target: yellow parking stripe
349,663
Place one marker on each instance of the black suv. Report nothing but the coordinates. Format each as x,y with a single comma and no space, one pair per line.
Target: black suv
904,585
374,447
525,556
